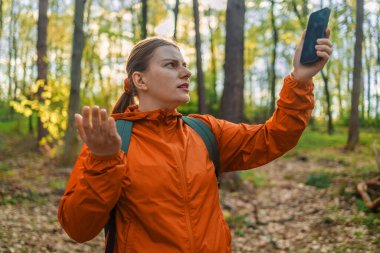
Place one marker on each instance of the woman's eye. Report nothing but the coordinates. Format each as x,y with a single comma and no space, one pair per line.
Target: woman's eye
170,64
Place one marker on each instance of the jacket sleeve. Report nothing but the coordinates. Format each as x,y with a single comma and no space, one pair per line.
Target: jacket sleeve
243,146
93,190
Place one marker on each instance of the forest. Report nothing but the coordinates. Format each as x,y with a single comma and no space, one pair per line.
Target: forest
57,56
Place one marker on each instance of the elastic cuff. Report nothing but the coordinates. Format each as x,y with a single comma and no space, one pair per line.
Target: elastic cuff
299,83
117,156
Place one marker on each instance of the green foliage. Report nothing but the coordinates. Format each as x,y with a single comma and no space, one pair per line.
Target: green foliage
16,126
320,180
361,206
22,197
314,140
60,185
257,178
239,222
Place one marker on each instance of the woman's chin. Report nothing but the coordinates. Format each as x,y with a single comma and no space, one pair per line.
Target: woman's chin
183,100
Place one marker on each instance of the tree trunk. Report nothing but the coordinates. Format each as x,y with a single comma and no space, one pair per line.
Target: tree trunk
368,52
10,52
272,75
175,11
144,19
330,127
377,74
198,45
214,95
41,61
71,140
301,17
232,104
1,21
353,133
338,79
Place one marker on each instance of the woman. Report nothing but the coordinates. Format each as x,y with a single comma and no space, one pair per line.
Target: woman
164,188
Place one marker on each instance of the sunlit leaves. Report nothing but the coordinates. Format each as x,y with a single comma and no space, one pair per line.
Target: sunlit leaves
52,111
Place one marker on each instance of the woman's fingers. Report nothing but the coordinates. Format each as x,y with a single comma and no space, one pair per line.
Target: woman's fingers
86,120
79,125
103,122
324,41
95,119
112,131
323,55
324,48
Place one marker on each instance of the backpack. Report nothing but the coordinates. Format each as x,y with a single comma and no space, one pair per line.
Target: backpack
124,128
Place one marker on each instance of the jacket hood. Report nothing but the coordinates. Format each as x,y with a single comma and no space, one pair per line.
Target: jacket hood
132,113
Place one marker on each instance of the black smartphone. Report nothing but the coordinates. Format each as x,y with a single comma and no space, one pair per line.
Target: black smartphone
316,28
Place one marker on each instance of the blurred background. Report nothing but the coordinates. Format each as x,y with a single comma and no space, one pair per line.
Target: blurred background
56,56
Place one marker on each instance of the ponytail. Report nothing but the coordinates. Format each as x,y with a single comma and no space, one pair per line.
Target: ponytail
126,99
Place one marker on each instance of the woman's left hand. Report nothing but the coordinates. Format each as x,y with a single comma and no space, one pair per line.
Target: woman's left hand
324,50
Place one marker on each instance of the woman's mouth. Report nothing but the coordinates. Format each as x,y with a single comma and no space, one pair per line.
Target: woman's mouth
184,87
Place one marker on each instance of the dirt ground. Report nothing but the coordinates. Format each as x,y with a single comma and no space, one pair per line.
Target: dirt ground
282,215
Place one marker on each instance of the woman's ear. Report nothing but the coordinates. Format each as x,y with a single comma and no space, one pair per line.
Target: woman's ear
138,81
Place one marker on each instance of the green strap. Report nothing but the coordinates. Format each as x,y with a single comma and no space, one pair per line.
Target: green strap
208,137
124,128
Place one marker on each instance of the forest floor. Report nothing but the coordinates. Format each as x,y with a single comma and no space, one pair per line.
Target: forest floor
303,202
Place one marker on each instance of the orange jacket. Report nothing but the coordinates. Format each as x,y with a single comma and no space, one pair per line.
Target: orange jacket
165,187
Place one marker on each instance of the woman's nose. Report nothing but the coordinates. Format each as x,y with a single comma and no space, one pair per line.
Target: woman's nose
186,73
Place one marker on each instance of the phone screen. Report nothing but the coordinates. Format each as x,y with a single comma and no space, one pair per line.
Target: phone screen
316,28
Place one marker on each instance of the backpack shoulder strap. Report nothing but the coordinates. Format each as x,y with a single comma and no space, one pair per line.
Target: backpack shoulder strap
124,128
208,137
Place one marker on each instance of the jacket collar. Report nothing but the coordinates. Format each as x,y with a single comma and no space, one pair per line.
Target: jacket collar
132,113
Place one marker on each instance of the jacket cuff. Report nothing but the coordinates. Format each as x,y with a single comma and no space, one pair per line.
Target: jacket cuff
299,83
117,157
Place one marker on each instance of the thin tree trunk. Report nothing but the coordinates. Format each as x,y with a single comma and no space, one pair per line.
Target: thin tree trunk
144,19
353,133
41,61
330,127
15,66
133,23
198,46
273,60
378,69
10,52
71,140
1,21
362,100
214,96
368,49
232,104
301,17
175,11
377,97
338,79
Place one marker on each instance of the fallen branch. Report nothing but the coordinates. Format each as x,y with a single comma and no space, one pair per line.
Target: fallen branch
364,187
363,190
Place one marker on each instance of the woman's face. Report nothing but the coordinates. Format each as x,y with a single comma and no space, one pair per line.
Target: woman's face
165,83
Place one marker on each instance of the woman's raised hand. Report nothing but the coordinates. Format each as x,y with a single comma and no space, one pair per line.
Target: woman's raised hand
323,50
99,133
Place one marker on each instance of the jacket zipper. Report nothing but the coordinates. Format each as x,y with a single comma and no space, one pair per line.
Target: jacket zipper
187,212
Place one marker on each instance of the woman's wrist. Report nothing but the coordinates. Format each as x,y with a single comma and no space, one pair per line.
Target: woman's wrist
299,78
